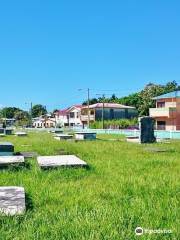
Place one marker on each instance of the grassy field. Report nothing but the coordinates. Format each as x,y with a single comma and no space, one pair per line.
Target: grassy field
124,187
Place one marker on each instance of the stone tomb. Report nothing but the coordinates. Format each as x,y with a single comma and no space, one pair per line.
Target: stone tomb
12,200
85,136
8,131
21,134
6,149
63,137
11,160
60,161
2,130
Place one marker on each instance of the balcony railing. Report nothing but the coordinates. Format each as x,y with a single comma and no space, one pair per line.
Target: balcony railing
84,118
163,112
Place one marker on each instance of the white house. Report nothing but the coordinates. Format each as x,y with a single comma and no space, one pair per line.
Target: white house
61,117
44,122
69,117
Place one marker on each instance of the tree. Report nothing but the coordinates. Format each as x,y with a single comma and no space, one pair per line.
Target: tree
143,100
9,112
38,110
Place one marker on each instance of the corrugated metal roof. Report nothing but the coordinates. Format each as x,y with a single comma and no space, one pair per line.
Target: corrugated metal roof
108,105
175,94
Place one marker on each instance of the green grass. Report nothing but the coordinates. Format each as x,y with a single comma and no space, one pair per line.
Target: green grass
125,187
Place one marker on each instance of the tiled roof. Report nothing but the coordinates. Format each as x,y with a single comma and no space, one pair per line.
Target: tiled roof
175,94
63,112
108,105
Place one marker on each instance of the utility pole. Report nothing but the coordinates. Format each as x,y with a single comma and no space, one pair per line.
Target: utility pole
88,109
103,112
31,113
88,103
103,103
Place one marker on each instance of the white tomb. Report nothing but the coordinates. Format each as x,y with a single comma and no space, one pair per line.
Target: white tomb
60,161
85,136
12,200
8,160
21,134
63,136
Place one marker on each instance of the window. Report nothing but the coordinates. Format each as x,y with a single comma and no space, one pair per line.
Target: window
161,125
160,104
71,114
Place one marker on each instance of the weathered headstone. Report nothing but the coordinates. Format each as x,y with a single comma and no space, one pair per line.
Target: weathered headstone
60,161
11,160
85,136
12,200
146,126
6,148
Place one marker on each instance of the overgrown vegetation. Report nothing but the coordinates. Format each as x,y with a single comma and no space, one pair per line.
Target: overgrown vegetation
141,100
126,186
115,124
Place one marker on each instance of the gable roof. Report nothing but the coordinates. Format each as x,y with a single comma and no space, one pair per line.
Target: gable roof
108,105
175,94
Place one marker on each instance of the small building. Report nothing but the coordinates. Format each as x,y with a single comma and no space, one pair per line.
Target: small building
109,111
44,122
167,111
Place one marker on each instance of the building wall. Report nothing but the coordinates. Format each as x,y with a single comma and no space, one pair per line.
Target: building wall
75,117
110,114
173,122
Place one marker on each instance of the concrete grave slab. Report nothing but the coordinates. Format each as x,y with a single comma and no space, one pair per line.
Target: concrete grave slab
85,136
60,161
10,160
21,134
133,139
56,131
12,200
28,154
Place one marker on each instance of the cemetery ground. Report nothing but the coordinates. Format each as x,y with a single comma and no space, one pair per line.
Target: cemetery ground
125,186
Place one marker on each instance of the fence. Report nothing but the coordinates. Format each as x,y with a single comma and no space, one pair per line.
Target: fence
158,133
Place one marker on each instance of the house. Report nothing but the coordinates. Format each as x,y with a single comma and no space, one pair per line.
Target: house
69,117
167,111
108,111
61,117
45,121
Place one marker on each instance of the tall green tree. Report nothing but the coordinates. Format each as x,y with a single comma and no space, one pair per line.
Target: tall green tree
38,110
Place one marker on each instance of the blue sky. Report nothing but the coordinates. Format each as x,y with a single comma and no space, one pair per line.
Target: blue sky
50,49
